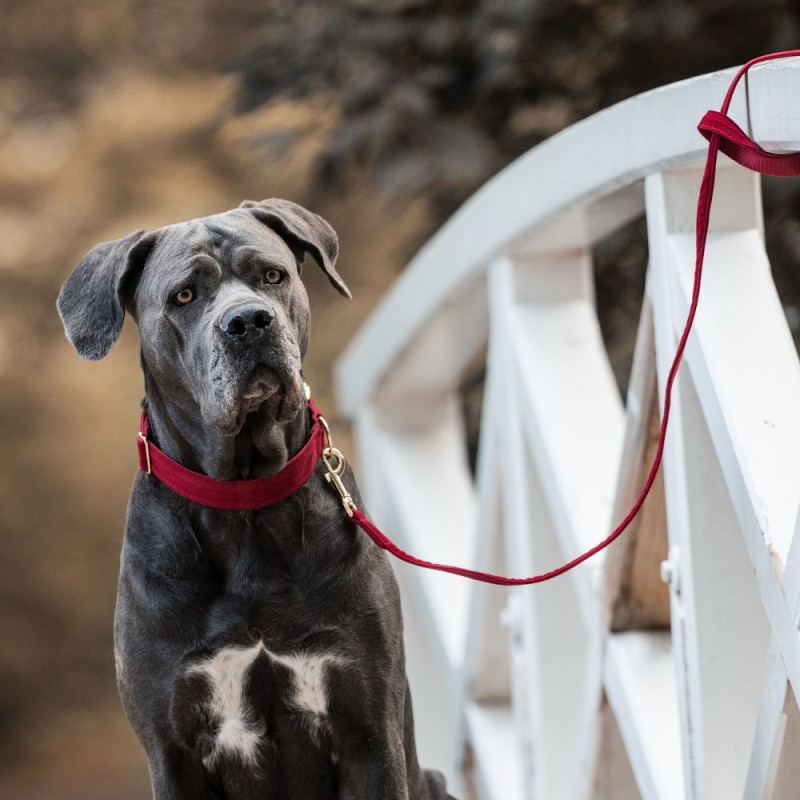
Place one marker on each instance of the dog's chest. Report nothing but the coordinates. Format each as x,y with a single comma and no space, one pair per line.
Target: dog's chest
242,684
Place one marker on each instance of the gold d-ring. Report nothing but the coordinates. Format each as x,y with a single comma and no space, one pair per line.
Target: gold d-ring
143,440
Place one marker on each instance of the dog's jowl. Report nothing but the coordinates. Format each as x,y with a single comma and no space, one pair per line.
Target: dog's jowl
259,649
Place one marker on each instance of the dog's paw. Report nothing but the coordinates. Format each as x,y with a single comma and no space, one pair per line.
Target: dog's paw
437,787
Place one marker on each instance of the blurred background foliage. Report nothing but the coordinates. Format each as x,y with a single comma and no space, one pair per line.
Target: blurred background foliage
381,115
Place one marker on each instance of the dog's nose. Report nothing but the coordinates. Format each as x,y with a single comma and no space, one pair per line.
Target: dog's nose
246,321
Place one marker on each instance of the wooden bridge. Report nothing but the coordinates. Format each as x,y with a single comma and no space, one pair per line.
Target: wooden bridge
670,666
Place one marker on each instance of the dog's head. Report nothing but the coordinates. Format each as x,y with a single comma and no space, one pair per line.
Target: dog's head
222,312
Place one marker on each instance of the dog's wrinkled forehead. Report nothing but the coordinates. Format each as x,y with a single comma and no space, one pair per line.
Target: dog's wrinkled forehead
230,239
239,230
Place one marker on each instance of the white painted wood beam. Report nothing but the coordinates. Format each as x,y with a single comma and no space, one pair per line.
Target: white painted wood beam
731,629
573,418
546,622
427,504
683,623
486,658
497,771
770,728
641,688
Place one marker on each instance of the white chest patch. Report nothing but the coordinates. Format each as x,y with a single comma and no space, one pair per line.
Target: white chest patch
240,728
309,680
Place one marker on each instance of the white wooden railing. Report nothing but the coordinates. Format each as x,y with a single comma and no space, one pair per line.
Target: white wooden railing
598,684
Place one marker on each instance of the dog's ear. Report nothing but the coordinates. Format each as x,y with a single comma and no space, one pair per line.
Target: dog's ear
304,232
92,301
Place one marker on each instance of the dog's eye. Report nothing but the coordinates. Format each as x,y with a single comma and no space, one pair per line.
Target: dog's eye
273,276
183,297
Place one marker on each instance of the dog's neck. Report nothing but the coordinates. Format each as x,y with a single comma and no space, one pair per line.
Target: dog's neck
262,446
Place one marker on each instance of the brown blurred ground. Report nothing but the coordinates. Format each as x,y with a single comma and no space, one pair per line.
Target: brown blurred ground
382,115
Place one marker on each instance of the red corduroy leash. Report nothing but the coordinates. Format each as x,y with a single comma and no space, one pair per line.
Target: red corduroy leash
723,135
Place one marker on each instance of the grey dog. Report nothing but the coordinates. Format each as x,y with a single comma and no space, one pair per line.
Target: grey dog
259,653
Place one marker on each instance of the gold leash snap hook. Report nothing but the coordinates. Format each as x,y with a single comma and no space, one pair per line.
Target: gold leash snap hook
334,466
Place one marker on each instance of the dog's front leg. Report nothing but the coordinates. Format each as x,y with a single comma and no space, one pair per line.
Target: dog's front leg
369,767
176,774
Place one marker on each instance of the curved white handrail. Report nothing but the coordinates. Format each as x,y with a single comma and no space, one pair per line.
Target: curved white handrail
579,166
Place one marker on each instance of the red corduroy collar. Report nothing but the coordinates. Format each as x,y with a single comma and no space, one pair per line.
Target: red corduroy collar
234,495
